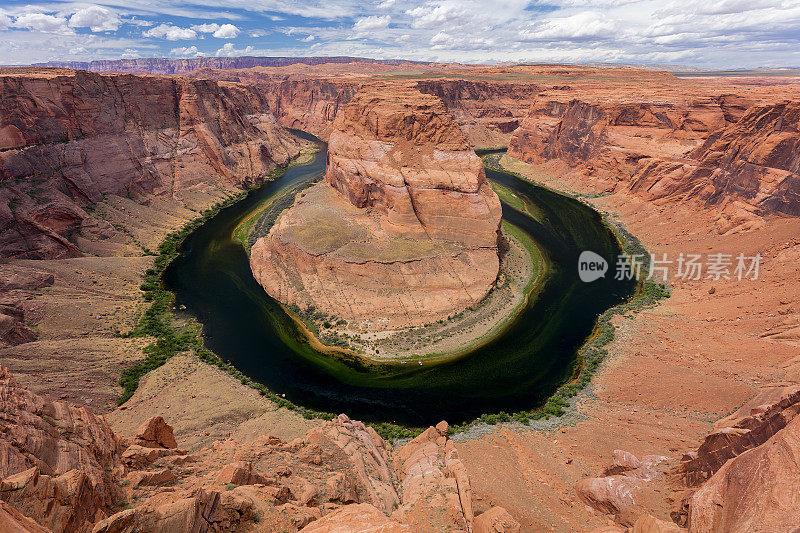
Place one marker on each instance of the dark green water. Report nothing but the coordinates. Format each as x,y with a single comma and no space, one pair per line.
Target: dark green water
515,371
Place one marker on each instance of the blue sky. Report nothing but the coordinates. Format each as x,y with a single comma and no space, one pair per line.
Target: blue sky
714,34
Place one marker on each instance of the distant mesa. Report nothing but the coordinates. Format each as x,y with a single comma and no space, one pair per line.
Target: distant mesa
155,65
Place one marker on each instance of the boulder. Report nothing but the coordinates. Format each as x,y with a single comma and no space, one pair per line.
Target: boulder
623,462
240,473
161,477
137,457
155,433
356,518
614,495
495,520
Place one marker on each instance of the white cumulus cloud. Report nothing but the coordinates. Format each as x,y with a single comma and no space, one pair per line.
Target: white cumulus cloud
227,31
228,50
185,51
170,32
372,23
206,28
224,31
96,18
43,23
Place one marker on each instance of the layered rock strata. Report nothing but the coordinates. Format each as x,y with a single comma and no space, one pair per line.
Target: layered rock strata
488,113
723,152
70,139
403,232
755,491
151,65
743,477
63,469
310,98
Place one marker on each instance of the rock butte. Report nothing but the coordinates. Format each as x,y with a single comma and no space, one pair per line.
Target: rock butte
688,165
403,232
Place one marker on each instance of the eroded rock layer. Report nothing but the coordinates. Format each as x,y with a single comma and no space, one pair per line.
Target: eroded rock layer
404,230
63,469
310,98
723,151
69,139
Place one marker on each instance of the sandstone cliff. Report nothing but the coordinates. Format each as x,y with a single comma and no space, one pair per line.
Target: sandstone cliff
310,105
756,159
488,113
403,232
58,464
68,139
755,491
718,151
63,469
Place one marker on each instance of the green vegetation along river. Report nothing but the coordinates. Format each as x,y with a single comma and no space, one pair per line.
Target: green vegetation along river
515,371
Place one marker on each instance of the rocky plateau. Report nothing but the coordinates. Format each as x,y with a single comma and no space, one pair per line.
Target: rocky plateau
689,425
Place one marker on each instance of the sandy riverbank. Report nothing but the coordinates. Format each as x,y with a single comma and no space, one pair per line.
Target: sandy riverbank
522,267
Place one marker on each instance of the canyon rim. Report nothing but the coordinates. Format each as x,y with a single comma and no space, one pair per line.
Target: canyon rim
383,222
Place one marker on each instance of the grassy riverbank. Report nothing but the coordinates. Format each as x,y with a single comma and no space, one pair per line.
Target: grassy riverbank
173,335
242,232
594,351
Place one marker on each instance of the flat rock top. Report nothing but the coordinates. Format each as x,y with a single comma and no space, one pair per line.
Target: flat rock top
322,222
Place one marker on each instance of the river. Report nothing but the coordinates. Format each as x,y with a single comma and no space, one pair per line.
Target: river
515,371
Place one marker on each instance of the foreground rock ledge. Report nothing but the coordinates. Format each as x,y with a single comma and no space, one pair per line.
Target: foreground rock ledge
403,232
64,469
